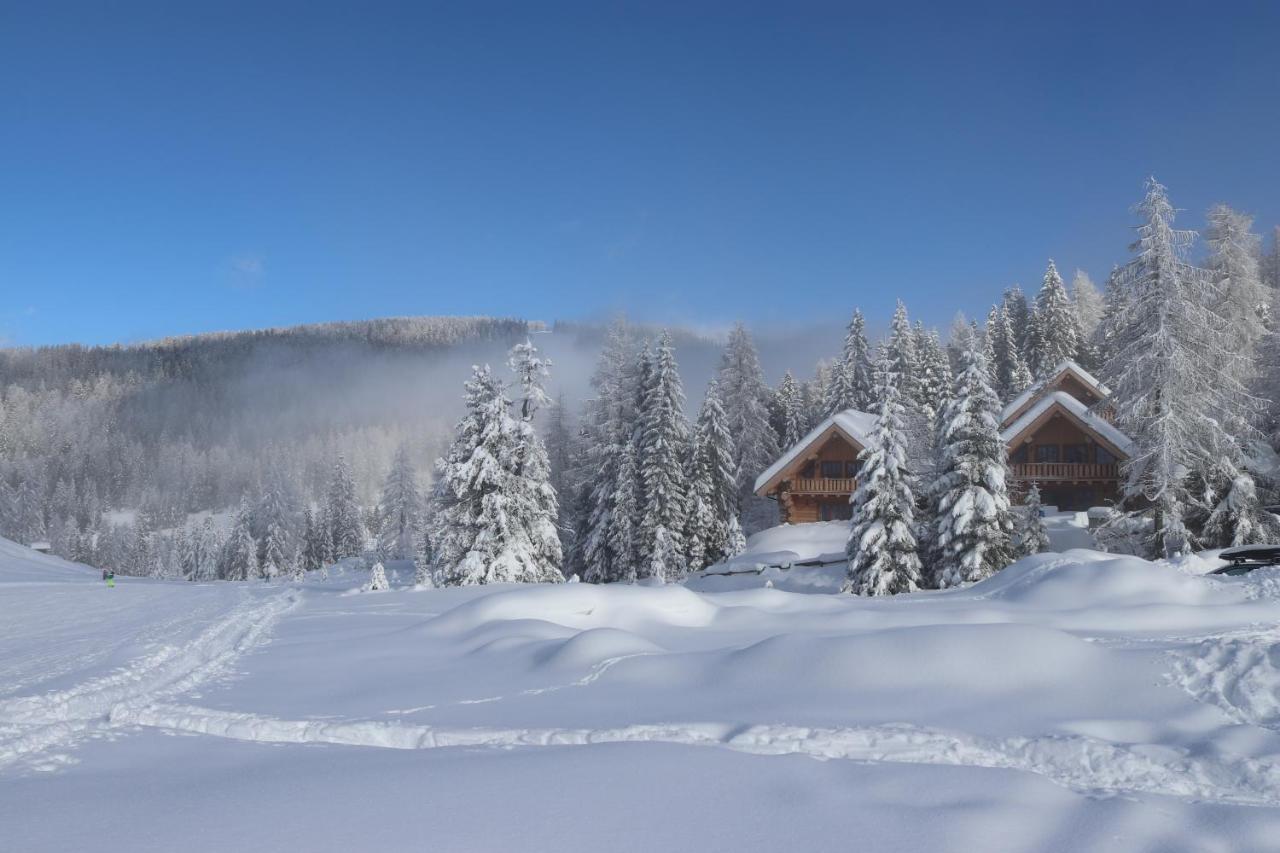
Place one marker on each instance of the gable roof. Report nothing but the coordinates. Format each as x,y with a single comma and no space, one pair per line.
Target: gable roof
1079,411
1037,388
856,426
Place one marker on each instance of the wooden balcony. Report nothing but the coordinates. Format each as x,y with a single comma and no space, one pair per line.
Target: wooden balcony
1064,471
823,486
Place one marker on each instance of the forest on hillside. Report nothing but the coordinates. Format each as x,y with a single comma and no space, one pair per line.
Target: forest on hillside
263,453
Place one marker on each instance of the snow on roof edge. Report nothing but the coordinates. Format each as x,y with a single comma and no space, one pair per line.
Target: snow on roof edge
1036,387
857,424
1122,442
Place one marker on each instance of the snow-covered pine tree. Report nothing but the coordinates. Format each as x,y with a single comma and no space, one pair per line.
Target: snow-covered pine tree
240,553
1090,306
1055,333
903,359
857,362
313,548
400,509
934,381
973,519
276,553
624,533
533,466
607,426
713,482
999,351
882,550
1241,298
745,396
1168,386
377,579
343,512
561,454
494,512
1014,303
1239,517
661,457
1030,535
790,411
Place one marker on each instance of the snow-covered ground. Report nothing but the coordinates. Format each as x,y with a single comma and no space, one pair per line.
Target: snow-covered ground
1076,701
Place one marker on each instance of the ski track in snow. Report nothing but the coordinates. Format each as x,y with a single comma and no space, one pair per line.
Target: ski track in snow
1238,673
1084,764
31,726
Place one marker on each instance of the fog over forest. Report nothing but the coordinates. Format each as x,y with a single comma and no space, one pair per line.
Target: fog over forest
192,425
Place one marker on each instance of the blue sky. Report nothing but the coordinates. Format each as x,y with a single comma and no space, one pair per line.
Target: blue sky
183,167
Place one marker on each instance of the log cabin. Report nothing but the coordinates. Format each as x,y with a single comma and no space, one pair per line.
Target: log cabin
1058,434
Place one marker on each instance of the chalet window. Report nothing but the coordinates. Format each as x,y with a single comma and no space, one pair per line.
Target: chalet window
832,470
1076,454
835,511
1046,453
1104,456
1019,456
851,469
807,471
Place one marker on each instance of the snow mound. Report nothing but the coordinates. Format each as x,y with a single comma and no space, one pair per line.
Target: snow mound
581,606
596,645
1082,579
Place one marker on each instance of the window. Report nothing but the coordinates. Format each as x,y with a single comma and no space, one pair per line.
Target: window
851,469
1046,453
835,511
1075,453
832,470
1019,456
1104,456
807,471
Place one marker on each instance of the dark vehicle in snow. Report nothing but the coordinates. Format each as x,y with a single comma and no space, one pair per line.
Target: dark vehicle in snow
1241,561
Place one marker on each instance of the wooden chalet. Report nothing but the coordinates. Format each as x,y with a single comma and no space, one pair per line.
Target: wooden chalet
1058,433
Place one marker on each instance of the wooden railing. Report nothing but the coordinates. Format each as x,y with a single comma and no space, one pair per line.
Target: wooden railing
824,486
1064,471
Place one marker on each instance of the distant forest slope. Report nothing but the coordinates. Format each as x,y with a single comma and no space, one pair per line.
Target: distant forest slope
192,424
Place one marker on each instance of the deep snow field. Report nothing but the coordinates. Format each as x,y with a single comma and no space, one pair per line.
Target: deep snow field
1076,701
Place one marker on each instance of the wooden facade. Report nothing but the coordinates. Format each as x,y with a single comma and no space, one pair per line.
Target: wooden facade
1063,449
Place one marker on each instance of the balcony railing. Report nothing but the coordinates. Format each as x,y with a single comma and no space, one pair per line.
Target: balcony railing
823,486
1064,471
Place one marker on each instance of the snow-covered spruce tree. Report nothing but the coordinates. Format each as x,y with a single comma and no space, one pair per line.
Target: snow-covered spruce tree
607,426
624,531
662,454
377,579
275,553
850,385
343,512
746,396
1239,517
791,417
857,361
240,553
999,353
1055,333
399,510
972,516
1169,388
561,453
883,557
494,511
1240,297
903,358
934,381
712,484
1030,536
1090,306
1014,303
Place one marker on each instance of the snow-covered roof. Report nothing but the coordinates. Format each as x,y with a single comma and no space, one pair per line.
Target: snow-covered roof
853,423
1064,366
1108,431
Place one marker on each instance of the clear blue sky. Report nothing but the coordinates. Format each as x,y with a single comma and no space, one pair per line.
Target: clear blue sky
181,167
